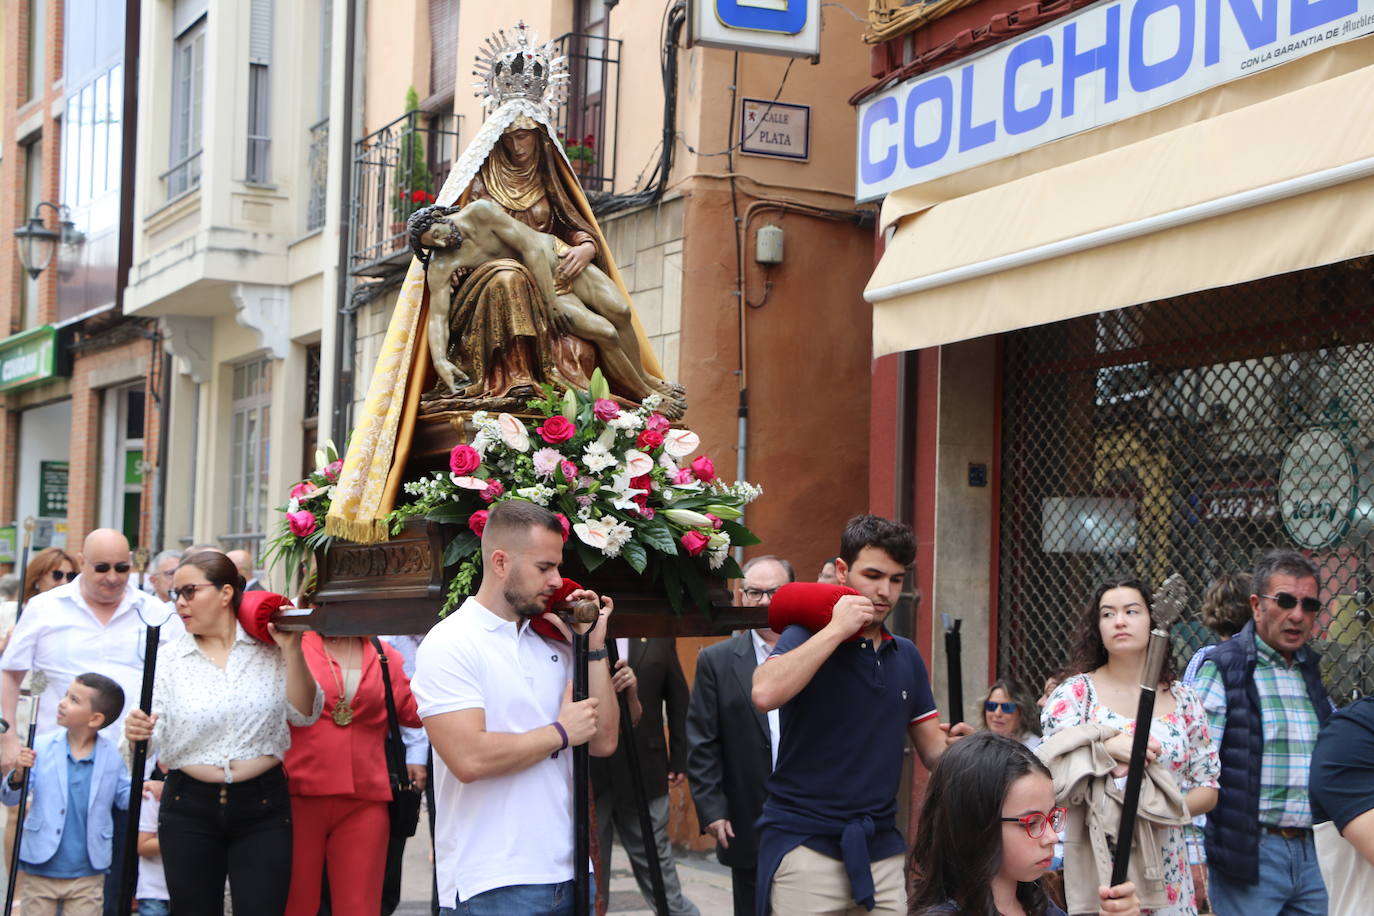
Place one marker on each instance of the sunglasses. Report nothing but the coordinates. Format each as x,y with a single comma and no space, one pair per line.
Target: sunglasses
1288,602
1007,708
188,591
120,568
60,576
1035,822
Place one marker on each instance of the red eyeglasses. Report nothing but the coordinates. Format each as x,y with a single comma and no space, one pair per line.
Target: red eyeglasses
1035,822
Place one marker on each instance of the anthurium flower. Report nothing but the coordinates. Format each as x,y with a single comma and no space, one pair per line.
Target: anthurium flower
680,443
638,463
513,433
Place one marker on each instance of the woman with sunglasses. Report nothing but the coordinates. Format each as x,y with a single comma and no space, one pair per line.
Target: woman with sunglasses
1007,711
988,828
222,704
48,569
1113,635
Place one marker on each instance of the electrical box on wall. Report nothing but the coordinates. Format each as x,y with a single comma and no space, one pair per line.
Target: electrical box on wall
768,245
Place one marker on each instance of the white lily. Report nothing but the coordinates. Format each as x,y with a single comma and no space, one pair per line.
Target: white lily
687,518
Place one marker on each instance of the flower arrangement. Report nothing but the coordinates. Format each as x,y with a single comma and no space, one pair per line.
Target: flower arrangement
580,151
623,482
301,530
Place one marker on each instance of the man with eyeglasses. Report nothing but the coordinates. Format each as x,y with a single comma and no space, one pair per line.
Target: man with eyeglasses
731,746
1265,702
93,624
164,564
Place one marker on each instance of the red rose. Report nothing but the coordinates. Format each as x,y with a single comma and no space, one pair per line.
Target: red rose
648,440
695,542
567,528
302,524
557,429
478,521
463,460
494,489
704,469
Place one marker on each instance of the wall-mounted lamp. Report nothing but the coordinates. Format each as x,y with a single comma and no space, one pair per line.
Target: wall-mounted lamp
37,243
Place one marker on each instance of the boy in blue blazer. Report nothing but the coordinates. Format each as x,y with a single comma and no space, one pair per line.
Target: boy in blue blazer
77,778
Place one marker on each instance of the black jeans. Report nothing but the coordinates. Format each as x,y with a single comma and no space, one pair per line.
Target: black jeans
207,830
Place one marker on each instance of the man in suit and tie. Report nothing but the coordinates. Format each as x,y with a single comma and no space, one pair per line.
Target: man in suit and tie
661,688
731,745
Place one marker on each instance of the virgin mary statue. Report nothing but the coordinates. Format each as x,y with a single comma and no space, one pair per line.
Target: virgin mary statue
498,337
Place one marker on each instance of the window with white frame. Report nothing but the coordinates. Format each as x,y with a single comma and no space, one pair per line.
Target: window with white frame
124,465
249,449
259,91
188,104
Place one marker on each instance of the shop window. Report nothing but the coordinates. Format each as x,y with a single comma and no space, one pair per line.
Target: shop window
249,448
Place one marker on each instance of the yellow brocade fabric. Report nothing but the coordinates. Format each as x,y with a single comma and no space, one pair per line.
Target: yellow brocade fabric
366,490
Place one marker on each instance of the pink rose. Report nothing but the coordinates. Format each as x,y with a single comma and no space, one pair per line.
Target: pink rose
557,429
695,542
569,470
463,460
605,409
716,523
567,528
302,523
657,422
704,468
646,511
303,489
478,521
649,439
493,489
331,470
684,476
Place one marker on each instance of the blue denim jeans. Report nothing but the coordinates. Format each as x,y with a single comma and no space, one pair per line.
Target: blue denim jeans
149,907
1290,882
520,900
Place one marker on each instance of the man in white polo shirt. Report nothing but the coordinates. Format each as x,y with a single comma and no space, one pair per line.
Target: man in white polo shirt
496,700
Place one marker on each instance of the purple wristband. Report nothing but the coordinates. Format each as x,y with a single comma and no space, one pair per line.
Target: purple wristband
562,733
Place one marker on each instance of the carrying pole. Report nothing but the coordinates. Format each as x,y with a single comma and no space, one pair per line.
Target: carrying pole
19,811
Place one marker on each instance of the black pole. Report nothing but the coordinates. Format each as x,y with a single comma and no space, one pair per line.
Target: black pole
19,811
954,668
1145,712
24,570
646,824
129,866
581,782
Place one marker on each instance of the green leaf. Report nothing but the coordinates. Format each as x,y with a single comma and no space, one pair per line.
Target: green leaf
729,569
449,514
672,585
461,547
635,555
656,533
740,536
696,586
591,557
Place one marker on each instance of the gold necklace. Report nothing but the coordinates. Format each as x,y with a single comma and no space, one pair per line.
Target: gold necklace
343,711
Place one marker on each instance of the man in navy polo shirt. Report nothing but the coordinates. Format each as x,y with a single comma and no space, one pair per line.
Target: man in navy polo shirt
828,839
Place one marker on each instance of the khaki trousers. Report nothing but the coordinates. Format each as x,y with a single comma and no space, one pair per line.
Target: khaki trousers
810,884
79,896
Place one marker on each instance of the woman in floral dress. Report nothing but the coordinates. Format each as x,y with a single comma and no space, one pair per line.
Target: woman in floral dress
1109,654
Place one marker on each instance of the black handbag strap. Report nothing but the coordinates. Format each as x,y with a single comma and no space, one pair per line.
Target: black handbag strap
396,744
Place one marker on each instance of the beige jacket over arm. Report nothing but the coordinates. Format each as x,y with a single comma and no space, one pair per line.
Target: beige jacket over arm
1081,768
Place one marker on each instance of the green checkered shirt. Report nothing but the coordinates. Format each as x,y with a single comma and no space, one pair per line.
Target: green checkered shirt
1289,725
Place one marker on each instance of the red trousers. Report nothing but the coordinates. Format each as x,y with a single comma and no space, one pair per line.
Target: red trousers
351,837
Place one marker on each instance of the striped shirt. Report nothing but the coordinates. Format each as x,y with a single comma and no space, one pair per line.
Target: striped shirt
1289,726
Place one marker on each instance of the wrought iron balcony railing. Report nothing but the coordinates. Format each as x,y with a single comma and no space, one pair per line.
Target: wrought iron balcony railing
588,122
397,169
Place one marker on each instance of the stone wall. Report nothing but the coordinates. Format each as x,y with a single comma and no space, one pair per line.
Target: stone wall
647,247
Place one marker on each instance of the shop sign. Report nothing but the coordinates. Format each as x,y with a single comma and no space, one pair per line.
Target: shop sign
1106,63
1317,488
8,543
52,489
775,129
1239,501
28,358
788,27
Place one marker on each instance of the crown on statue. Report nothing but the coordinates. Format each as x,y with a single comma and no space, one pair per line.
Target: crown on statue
516,66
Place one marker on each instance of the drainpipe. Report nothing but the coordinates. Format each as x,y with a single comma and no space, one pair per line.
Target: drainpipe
344,314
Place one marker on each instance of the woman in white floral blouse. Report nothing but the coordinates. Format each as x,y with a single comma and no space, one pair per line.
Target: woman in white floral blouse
1108,656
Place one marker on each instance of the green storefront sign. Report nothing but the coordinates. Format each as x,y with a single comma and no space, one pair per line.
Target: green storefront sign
28,358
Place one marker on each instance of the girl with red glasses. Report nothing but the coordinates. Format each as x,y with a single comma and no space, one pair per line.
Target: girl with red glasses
988,828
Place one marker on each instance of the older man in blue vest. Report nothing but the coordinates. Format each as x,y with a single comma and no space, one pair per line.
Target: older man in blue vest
1265,701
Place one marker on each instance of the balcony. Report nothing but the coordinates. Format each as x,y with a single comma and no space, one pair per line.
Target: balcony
396,170
593,91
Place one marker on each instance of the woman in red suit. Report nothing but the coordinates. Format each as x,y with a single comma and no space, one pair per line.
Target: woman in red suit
338,777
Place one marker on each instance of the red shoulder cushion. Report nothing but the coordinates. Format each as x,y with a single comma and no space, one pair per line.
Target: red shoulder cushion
256,609
545,628
806,604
